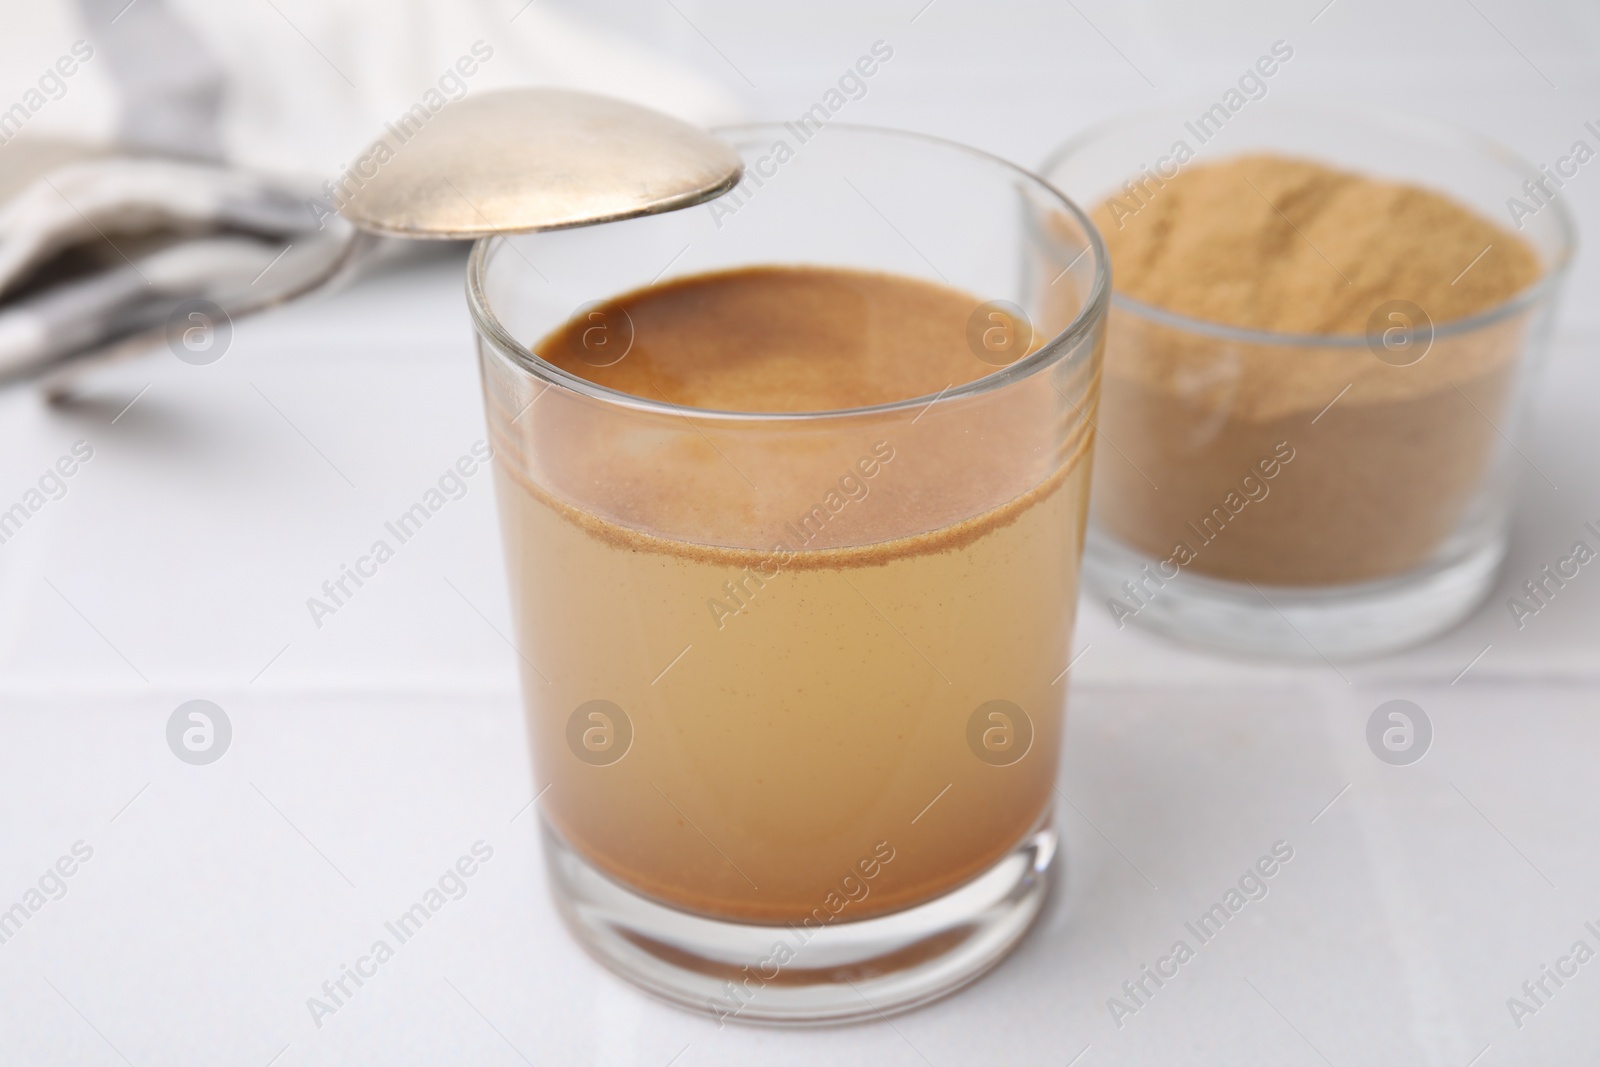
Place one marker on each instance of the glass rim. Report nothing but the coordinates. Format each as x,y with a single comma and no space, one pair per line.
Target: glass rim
1053,351
1437,130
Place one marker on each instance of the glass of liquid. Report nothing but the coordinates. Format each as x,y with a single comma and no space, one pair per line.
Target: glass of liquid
793,491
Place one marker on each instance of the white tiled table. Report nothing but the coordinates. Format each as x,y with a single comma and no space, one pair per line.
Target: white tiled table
369,753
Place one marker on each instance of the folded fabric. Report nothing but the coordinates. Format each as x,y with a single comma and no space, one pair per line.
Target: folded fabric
108,250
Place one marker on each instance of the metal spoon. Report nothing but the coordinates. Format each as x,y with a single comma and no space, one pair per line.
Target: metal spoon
522,160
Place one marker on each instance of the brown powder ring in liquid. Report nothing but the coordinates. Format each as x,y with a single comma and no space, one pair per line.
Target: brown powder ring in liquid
949,538
631,475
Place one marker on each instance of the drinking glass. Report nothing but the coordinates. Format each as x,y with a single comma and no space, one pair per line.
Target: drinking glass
794,682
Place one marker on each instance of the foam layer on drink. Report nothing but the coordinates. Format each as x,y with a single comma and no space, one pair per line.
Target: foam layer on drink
788,340
775,339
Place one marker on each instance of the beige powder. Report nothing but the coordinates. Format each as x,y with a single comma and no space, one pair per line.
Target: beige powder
1379,479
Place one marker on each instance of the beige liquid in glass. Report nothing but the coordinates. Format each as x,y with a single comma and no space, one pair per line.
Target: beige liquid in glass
798,625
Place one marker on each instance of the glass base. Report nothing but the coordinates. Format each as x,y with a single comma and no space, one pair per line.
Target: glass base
736,972
1337,622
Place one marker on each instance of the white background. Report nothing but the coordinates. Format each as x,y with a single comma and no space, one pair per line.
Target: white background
370,753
